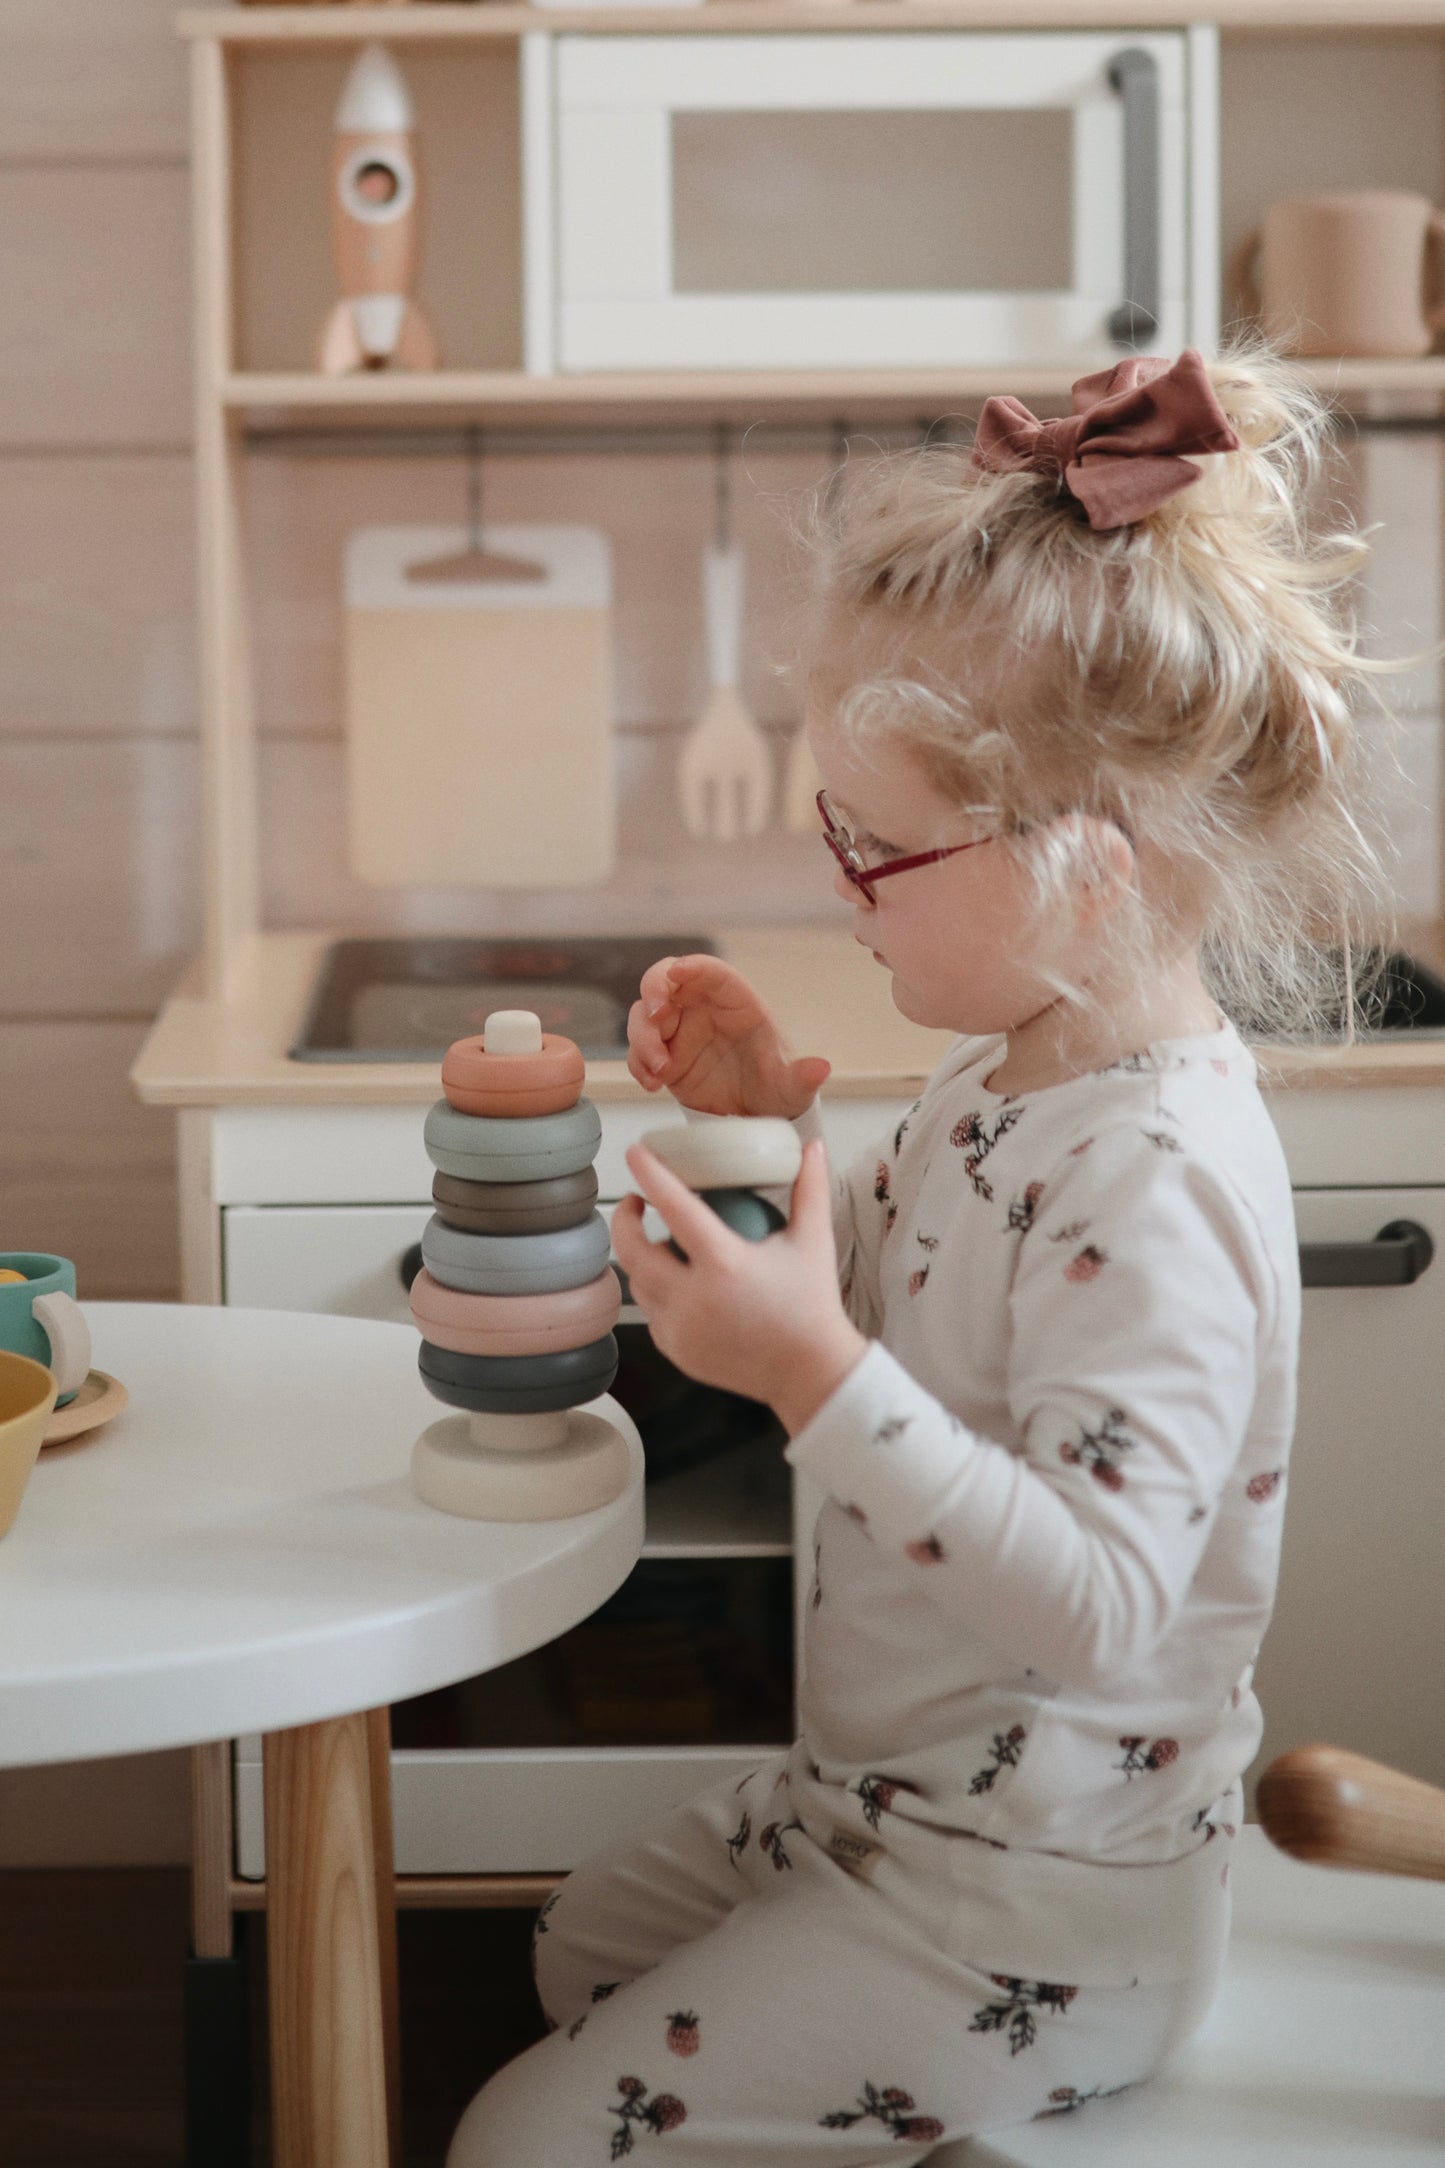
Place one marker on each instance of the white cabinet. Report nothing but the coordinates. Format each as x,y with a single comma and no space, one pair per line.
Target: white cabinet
1355,1655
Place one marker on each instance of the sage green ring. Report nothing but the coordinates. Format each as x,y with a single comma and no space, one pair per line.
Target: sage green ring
529,1148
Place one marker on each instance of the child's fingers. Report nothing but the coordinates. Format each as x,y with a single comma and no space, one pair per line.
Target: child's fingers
692,1224
810,1072
812,1200
658,987
648,1264
647,1051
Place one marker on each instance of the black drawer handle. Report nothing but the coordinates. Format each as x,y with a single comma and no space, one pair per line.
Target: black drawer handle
408,1265
1399,1254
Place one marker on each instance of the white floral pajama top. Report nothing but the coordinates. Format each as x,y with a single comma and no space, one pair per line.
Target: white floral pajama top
1054,1497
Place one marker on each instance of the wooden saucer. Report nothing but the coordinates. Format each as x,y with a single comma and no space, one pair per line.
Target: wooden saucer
96,1401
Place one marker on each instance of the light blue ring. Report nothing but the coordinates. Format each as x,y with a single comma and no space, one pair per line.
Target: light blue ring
515,1264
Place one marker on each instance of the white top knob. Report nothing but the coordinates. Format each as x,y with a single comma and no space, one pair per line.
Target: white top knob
512,1031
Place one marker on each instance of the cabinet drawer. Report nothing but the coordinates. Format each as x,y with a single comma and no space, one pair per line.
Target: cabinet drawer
342,1259
469,1812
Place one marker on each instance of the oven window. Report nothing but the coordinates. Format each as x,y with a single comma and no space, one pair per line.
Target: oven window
885,202
688,1652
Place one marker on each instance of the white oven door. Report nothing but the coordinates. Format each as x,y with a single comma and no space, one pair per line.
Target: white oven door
876,200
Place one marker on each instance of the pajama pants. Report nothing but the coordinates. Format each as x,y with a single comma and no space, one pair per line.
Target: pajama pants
726,1994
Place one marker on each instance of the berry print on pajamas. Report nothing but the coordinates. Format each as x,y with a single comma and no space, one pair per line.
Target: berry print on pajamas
768,2019
989,1881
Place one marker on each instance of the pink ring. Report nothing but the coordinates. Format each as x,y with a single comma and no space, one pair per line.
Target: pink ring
515,1324
476,1082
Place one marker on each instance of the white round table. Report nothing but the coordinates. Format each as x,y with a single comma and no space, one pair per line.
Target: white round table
241,1550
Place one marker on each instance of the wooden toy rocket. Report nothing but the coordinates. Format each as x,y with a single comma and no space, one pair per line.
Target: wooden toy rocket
374,178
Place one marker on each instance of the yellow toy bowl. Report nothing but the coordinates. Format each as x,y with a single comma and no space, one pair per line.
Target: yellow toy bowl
27,1395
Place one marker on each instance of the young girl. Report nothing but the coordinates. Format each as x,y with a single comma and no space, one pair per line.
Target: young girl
1081,704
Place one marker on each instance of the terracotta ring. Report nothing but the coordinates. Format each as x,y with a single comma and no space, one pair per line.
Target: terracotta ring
515,1324
737,1152
515,1264
476,1082
515,1208
529,1148
519,1384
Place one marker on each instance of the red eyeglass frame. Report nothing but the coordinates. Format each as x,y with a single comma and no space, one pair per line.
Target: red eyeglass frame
862,877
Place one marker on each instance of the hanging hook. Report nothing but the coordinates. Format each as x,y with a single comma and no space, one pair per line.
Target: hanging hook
722,519
476,561
475,452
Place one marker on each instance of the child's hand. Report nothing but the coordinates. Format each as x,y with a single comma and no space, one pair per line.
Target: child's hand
761,1318
698,1027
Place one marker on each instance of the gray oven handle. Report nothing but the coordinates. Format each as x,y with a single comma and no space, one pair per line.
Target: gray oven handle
1134,73
1399,1254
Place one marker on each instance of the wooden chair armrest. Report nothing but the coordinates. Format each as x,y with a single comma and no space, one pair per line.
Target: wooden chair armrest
1323,1804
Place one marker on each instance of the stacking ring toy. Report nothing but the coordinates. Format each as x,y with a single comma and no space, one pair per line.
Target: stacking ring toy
515,1264
476,1080
515,1324
746,1152
515,1208
531,1148
516,1300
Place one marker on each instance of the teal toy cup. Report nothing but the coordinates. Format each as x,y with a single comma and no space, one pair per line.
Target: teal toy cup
40,1317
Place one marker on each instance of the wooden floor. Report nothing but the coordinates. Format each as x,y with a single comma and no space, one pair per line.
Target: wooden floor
90,2017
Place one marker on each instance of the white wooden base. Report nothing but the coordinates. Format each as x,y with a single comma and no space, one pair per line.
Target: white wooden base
588,1469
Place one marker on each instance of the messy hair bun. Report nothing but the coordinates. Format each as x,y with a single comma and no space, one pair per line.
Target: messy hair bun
1194,677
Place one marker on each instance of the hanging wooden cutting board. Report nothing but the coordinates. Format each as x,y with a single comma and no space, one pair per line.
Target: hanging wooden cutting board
479,712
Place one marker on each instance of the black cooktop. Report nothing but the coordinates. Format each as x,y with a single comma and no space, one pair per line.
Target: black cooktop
407,1000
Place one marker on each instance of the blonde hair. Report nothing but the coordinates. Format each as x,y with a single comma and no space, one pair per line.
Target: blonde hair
1193,679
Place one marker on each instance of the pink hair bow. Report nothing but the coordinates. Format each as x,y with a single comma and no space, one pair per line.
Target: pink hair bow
1121,450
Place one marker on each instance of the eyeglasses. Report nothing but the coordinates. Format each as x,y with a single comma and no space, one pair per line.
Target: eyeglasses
841,842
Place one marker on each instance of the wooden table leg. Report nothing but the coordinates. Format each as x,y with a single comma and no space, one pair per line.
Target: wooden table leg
324,1949
378,1740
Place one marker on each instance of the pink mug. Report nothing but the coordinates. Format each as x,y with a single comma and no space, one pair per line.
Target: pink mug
1361,272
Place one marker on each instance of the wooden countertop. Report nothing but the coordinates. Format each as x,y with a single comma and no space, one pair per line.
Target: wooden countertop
827,993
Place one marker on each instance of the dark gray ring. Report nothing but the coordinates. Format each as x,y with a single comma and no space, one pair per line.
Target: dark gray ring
519,1384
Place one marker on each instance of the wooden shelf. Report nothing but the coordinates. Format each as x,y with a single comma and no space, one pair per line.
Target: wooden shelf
512,398
466,20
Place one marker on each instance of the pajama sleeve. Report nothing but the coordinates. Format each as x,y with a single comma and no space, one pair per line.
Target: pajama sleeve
857,1224
1135,1306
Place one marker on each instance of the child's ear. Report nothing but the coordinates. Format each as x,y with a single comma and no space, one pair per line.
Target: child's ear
1106,863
